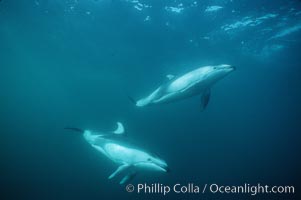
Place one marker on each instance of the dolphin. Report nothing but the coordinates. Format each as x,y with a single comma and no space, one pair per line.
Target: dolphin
196,82
129,157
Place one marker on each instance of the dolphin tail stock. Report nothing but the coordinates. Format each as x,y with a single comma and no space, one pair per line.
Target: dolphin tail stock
74,129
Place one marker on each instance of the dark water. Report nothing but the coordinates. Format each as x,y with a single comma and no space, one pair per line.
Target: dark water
68,62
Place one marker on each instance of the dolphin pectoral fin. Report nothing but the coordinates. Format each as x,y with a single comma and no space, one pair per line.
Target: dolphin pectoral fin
128,178
118,171
205,99
120,129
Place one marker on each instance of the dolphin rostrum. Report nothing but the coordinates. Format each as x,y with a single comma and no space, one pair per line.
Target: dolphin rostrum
117,148
196,82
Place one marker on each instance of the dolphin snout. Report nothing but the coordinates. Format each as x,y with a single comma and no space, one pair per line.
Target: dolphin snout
230,67
226,66
165,168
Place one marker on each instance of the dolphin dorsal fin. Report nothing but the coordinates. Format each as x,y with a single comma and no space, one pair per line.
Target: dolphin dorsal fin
120,129
170,76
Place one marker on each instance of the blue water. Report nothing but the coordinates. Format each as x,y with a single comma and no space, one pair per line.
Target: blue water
73,63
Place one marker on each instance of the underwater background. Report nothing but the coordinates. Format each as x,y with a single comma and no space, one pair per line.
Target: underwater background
73,63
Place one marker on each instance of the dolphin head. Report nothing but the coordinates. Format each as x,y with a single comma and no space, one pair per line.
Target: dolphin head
214,73
224,67
153,162
222,70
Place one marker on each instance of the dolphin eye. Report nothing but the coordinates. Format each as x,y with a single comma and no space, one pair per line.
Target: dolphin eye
149,159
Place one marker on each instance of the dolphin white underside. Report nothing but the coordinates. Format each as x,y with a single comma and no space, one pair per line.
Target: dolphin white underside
130,160
170,94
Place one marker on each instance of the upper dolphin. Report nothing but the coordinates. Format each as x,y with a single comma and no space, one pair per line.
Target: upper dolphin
196,82
130,158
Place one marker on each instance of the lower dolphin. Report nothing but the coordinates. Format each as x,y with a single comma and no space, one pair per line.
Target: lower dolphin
130,158
196,82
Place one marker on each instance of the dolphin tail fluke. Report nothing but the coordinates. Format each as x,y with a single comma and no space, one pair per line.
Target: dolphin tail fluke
74,129
128,178
132,100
